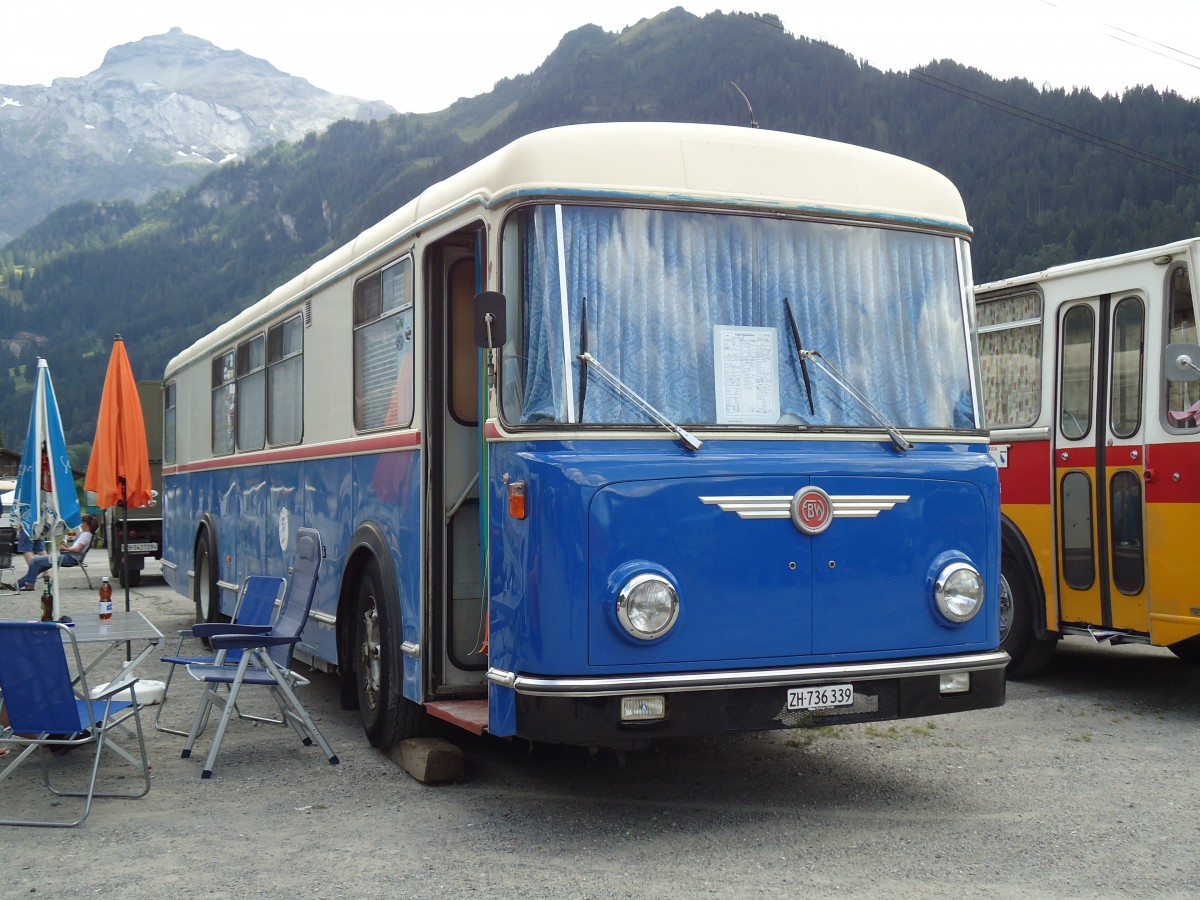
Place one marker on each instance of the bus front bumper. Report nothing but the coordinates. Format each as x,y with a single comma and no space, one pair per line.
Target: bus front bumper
590,710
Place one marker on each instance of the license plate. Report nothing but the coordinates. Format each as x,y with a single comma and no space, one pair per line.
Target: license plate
821,697
141,548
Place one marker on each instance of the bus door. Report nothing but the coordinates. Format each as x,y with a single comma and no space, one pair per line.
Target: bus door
456,611
1099,460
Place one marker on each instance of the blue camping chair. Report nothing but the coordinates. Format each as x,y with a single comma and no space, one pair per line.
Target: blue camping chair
255,606
267,660
44,710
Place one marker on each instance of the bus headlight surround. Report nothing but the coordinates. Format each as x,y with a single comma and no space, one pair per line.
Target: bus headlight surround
647,606
959,591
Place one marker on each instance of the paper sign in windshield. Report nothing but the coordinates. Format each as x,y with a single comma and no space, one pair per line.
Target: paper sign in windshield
747,375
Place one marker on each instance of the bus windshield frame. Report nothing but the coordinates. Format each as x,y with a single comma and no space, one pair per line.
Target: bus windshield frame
699,311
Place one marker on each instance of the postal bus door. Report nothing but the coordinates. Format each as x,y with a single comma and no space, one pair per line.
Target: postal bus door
453,269
1099,462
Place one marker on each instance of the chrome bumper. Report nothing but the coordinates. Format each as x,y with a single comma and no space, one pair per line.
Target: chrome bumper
671,682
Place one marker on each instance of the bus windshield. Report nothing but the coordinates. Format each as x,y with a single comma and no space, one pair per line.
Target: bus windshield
700,314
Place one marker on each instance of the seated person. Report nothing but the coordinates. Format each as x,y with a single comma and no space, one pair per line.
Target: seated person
69,554
28,547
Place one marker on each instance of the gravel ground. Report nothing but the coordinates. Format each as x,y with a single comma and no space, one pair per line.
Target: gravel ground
1082,785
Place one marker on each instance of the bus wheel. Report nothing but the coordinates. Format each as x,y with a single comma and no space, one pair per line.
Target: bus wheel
1029,653
1188,650
204,586
387,716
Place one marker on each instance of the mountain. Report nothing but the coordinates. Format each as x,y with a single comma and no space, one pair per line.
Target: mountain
158,113
1048,176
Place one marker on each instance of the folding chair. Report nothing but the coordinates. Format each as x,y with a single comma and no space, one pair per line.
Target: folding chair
267,660
255,606
82,565
44,710
8,548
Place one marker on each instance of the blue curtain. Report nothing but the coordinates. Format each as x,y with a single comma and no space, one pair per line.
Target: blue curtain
882,305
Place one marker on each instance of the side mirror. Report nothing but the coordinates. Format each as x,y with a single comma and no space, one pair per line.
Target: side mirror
1181,362
490,308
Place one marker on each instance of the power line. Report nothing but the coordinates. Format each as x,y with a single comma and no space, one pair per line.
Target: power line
1061,127
1139,41
1192,61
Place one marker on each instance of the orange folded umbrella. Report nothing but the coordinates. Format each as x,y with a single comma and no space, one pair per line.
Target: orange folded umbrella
119,450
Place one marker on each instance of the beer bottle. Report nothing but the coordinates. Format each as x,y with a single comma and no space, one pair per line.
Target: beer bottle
105,599
47,602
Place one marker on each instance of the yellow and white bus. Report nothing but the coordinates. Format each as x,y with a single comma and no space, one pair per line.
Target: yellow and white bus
1091,390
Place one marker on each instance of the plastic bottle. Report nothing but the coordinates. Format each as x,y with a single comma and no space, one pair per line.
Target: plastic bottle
105,599
47,602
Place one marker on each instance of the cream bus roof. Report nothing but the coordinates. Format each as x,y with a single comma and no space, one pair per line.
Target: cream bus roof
1161,255
708,161
721,165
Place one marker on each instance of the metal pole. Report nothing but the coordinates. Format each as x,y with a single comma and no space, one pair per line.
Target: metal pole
125,550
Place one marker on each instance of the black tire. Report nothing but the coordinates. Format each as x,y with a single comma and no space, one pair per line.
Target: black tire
204,584
387,716
1028,653
134,578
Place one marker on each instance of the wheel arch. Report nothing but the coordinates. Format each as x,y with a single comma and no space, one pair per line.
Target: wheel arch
368,544
206,526
1013,540
207,534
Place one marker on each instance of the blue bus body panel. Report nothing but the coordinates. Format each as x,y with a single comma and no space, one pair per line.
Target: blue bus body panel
257,509
753,592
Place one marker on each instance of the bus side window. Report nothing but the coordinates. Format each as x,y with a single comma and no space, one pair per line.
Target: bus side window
251,389
1182,397
383,348
224,404
285,382
1010,358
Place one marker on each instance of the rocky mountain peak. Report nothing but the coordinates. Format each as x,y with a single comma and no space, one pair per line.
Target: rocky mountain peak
158,113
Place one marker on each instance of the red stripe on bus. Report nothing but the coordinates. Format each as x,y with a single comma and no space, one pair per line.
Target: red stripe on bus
1076,457
1026,479
354,447
1172,474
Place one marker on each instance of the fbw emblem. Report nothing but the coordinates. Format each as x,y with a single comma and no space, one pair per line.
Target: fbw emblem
812,510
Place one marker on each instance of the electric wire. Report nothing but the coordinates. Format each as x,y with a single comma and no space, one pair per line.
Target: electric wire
1061,127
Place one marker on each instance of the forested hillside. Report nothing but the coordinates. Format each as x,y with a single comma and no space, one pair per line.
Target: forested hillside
165,272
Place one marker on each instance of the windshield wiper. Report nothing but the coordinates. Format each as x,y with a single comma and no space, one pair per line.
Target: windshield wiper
899,441
583,351
800,349
688,439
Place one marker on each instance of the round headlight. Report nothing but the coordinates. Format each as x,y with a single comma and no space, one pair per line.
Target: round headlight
647,606
959,591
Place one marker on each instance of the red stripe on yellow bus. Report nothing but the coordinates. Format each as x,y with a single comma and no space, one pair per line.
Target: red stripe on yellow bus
1077,457
1026,479
1173,473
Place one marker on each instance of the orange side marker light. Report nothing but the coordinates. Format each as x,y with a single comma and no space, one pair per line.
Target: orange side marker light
516,499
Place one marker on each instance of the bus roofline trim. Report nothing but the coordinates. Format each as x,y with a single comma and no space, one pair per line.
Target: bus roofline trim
537,686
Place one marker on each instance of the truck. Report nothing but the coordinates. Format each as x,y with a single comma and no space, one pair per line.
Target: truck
144,523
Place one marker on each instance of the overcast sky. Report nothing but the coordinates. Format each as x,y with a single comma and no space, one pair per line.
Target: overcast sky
421,57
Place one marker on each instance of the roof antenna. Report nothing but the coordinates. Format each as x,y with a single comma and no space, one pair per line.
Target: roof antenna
753,121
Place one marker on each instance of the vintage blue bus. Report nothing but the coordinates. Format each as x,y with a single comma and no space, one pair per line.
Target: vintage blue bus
625,431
